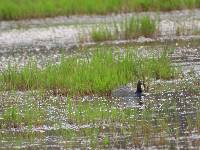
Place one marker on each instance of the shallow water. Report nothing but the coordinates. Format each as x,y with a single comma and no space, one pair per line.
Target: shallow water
179,16
46,40
52,133
64,32
186,54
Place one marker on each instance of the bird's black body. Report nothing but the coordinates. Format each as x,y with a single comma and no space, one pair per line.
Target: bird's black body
139,92
128,93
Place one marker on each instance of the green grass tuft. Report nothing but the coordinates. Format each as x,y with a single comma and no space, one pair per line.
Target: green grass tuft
23,9
128,29
148,26
98,73
102,33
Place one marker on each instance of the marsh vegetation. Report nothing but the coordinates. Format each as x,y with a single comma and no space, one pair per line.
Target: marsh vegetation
11,9
128,29
52,113
97,71
56,87
101,123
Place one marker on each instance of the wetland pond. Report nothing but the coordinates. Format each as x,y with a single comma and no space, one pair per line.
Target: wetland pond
40,119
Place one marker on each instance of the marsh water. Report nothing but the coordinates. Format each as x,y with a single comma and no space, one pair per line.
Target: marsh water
47,40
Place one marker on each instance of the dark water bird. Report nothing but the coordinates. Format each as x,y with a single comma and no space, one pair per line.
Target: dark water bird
128,93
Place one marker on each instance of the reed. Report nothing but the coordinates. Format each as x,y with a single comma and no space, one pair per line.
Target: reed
128,29
98,73
102,33
23,9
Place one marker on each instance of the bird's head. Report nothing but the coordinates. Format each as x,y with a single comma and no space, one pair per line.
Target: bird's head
140,86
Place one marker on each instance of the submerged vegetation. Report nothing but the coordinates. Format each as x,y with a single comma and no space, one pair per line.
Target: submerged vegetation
128,29
59,101
32,118
101,123
97,72
15,117
12,9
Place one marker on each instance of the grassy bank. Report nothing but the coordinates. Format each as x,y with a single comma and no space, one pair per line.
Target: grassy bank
128,29
98,72
23,9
